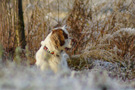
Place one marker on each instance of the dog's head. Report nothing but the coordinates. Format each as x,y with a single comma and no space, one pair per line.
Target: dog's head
60,38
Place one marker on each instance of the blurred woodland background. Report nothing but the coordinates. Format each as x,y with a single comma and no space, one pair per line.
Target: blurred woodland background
103,30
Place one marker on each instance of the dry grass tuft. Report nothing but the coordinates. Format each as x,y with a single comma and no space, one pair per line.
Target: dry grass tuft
107,35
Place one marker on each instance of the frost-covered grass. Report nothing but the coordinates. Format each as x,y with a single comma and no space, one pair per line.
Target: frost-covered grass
14,77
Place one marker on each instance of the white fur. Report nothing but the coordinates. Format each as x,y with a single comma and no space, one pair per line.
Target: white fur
45,60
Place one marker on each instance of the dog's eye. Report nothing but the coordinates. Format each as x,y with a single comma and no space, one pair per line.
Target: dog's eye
65,35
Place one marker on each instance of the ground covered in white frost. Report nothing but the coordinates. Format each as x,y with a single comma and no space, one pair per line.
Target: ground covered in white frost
14,77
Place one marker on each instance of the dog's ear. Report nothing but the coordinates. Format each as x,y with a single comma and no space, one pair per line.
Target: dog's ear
57,38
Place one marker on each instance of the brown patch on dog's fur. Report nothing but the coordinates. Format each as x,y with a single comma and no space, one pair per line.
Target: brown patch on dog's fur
65,35
58,37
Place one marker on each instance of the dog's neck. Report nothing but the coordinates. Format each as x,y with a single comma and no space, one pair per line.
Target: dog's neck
46,49
51,47
52,50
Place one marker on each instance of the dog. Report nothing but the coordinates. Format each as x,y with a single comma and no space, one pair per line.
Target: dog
51,54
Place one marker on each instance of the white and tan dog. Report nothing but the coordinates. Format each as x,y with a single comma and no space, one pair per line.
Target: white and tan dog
51,54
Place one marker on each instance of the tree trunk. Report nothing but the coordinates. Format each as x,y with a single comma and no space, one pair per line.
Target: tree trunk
19,32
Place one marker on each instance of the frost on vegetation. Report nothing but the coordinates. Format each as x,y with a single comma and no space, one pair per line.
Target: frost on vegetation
20,77
123,32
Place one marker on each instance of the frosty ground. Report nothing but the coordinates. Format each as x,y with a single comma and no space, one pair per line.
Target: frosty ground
16,77
104,31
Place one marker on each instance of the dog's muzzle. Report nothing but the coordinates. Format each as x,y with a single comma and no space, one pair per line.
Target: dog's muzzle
72,43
